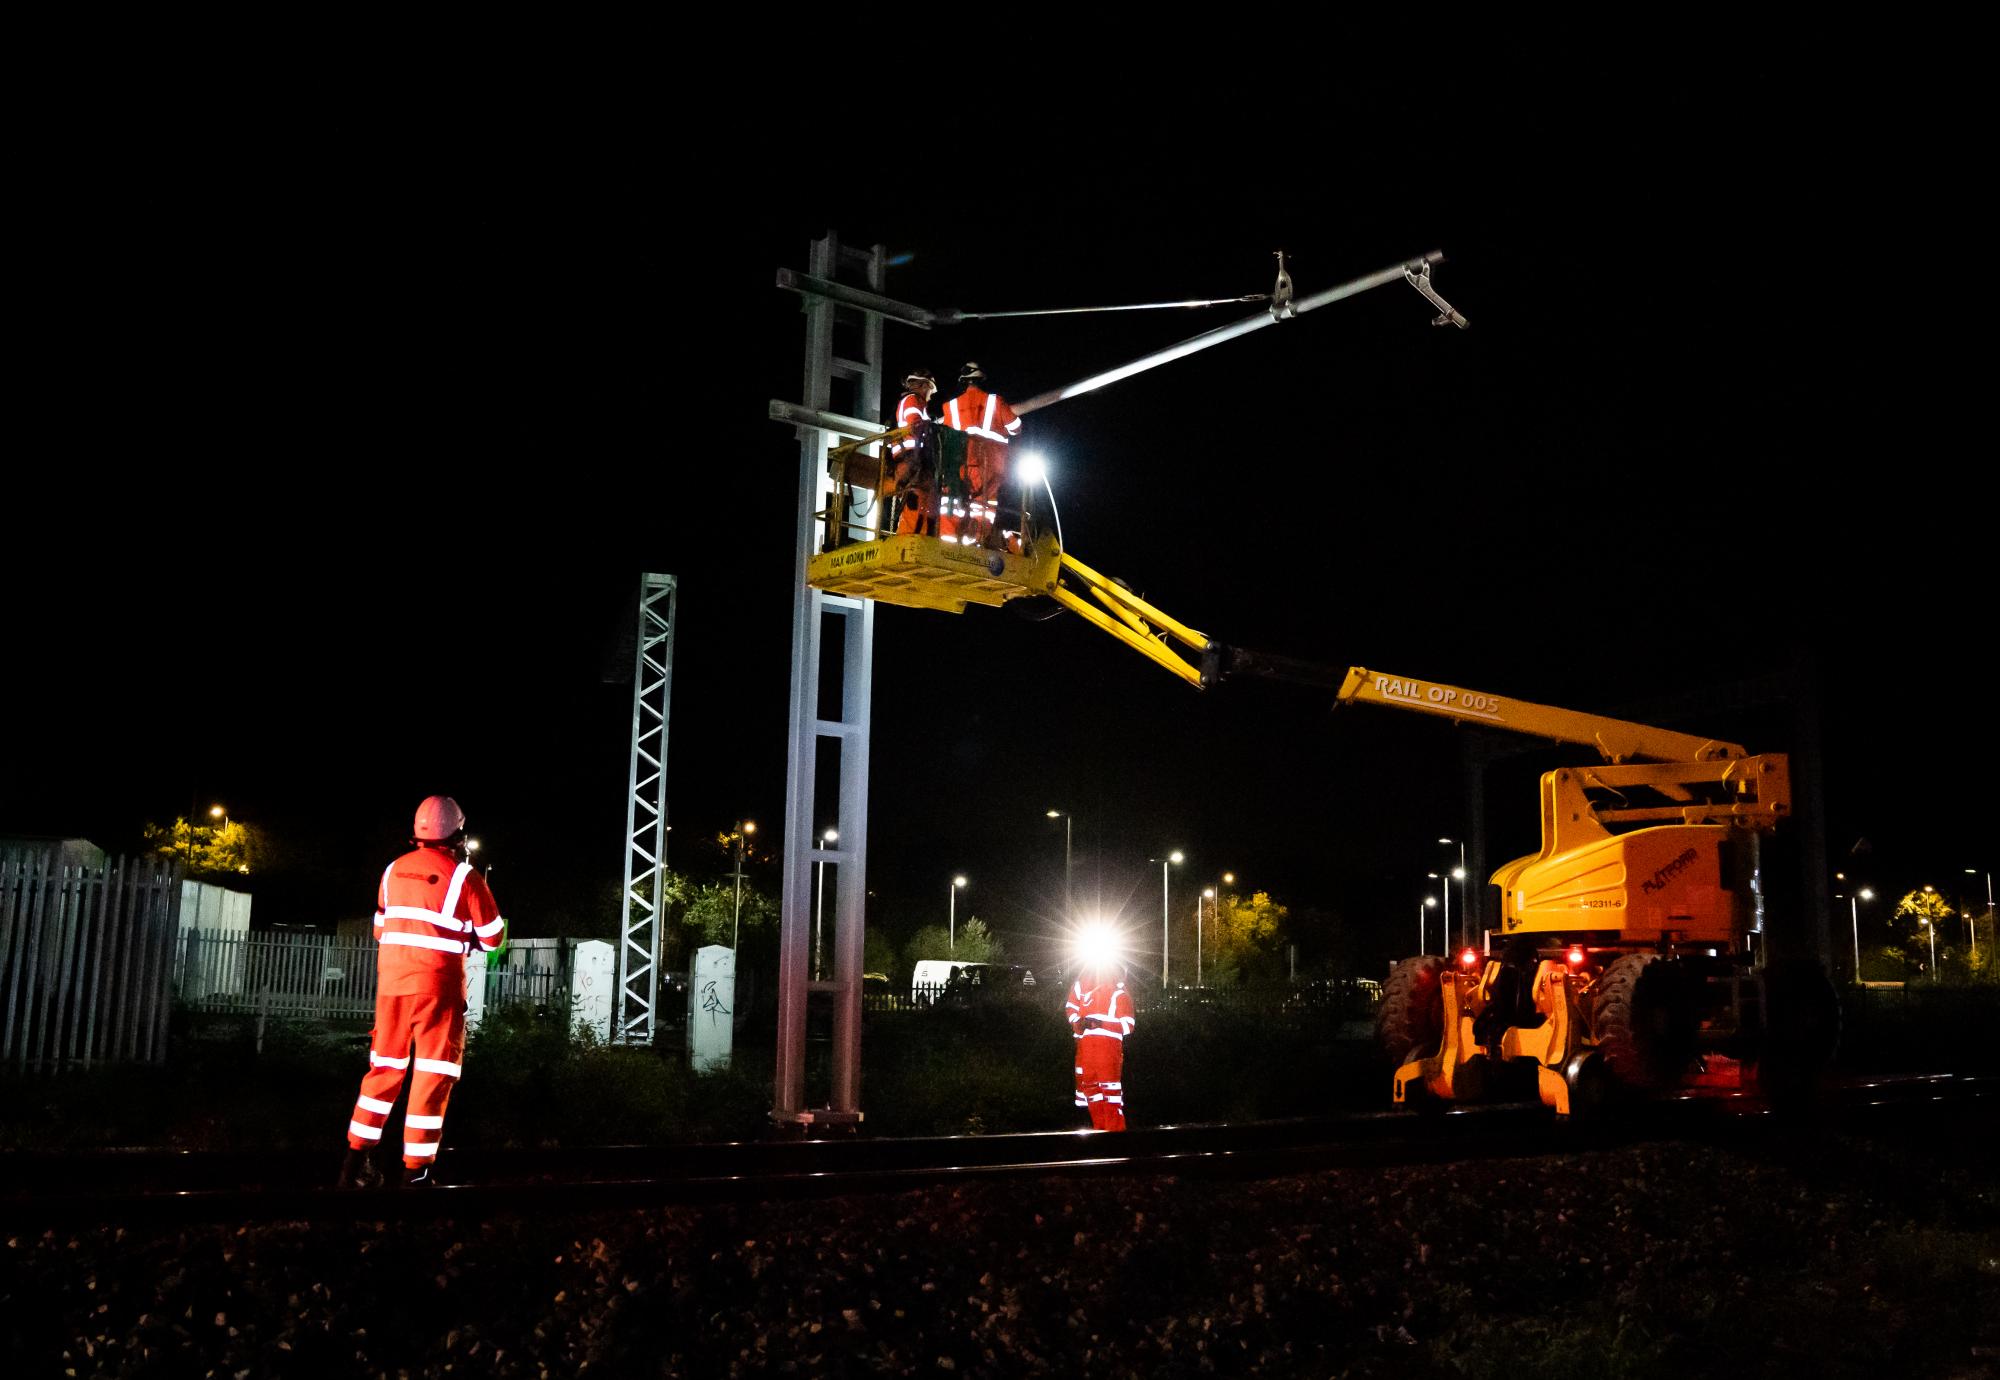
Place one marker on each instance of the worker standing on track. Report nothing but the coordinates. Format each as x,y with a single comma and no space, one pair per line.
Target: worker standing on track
1100,1017
432,911
990,426
915,458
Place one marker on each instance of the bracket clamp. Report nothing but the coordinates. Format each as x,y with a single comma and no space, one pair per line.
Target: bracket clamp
1419,277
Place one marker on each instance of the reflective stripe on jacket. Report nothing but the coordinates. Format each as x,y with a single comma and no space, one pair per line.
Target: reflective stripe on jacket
909,412
977,412
431,911
1105,1010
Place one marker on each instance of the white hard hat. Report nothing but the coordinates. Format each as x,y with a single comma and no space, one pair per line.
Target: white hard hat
438,818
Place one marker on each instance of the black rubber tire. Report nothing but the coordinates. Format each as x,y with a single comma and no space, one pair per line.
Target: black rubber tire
1410,1022
1645,1014
1801,1014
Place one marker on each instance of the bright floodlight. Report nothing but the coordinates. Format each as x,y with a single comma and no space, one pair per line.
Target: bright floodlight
1033,469
1098,945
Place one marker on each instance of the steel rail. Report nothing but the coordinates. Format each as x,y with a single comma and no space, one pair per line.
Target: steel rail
149,1186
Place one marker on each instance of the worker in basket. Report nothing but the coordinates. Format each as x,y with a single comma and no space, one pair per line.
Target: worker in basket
990,427
915,457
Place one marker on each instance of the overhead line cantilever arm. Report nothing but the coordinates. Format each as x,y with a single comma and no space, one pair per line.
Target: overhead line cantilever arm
1229,332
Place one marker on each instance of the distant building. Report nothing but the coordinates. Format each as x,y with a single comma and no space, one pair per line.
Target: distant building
71,852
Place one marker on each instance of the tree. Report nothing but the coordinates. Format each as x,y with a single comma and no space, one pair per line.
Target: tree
878,953
216,851
978,944
1926,910
1245,940
709,916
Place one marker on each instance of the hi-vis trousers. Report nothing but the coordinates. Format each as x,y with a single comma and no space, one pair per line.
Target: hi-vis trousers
1100,1085
432,1024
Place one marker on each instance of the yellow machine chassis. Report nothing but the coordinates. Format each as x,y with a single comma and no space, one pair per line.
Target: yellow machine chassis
1552,1045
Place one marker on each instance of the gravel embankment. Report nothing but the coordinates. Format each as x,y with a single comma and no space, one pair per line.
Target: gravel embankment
1840,1259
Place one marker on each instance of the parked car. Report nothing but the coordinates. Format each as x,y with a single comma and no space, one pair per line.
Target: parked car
939,979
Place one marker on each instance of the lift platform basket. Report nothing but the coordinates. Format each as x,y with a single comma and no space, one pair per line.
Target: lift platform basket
921,572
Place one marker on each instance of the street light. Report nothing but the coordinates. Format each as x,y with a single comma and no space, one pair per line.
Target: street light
1069,900
1925,921
819,908
1175,858
1854,913
743,827
951,930
1423,942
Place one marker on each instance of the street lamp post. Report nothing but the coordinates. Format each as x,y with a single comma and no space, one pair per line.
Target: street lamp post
1990,937
1173,857
1932,927
743,826
1209,894
1854,912
1069,899
819,909
1423,937
951,923
1457,873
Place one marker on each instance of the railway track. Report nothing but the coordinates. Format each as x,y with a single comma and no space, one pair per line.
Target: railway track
146,1185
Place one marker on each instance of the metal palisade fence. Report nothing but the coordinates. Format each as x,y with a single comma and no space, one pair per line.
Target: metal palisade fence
315,977
86,960
283,974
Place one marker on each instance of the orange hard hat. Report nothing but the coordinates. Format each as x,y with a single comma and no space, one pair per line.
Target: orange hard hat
438,818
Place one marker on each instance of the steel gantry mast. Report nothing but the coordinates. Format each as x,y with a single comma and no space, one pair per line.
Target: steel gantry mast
831,711
646,815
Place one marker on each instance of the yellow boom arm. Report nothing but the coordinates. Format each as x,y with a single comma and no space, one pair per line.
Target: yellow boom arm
1617,739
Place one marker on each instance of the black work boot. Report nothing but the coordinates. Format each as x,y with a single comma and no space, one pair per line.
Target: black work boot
420,1177
359,1170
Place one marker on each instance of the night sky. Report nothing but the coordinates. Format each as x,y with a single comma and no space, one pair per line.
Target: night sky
356,433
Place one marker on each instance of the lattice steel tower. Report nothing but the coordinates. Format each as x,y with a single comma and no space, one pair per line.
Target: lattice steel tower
646,814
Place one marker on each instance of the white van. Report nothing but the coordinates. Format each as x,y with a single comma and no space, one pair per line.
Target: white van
932,976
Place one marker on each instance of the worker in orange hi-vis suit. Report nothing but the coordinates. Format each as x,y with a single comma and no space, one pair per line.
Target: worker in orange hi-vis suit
990,426
432,911
1100,1017
916,480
